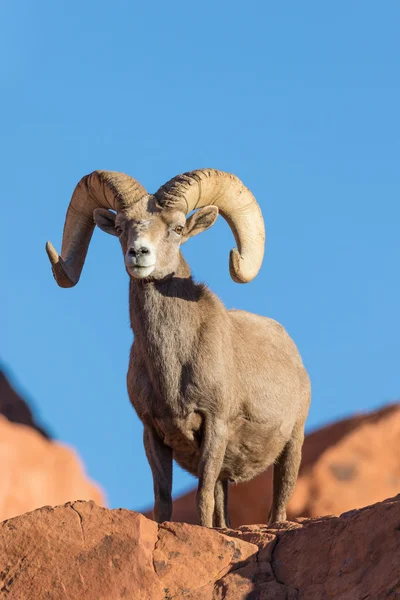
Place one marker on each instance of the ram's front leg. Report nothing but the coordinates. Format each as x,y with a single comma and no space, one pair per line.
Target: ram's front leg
160,460
212,452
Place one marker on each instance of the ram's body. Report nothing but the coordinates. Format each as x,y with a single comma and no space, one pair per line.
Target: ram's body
192,359
223,392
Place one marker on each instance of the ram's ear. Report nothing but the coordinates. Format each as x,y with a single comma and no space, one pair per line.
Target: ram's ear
201,220
105,219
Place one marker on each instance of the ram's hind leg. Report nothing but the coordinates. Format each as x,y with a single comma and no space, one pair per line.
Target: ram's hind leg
286,470
221,518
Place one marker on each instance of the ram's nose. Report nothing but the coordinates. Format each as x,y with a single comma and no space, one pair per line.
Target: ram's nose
139,251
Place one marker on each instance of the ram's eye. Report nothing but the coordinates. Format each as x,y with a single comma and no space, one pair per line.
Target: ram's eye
118,230
178,229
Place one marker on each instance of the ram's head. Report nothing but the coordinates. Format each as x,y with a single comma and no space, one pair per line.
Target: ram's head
151,228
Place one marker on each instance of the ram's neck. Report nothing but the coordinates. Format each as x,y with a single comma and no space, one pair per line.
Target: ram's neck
166,318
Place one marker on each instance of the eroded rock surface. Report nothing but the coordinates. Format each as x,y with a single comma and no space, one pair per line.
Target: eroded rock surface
80,550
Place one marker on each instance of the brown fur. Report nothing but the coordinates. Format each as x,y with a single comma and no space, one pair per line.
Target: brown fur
224,393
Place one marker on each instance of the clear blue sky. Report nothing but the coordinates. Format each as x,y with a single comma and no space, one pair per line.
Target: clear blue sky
300,100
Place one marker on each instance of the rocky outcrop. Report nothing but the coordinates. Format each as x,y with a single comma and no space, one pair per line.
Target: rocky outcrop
346,465
14,407
36,471
83,551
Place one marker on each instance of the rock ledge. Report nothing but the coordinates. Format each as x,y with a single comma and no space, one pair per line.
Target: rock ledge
81,550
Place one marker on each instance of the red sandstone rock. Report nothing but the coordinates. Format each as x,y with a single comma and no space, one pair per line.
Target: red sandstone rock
349,464
83,551
35,471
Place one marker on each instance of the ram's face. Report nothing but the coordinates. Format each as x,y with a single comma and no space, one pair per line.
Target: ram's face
150,237
151,243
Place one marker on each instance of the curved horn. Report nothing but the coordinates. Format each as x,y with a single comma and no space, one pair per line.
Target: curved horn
106,189
236,204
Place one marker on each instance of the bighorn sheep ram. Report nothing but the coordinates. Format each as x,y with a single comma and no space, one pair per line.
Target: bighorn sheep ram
223,392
